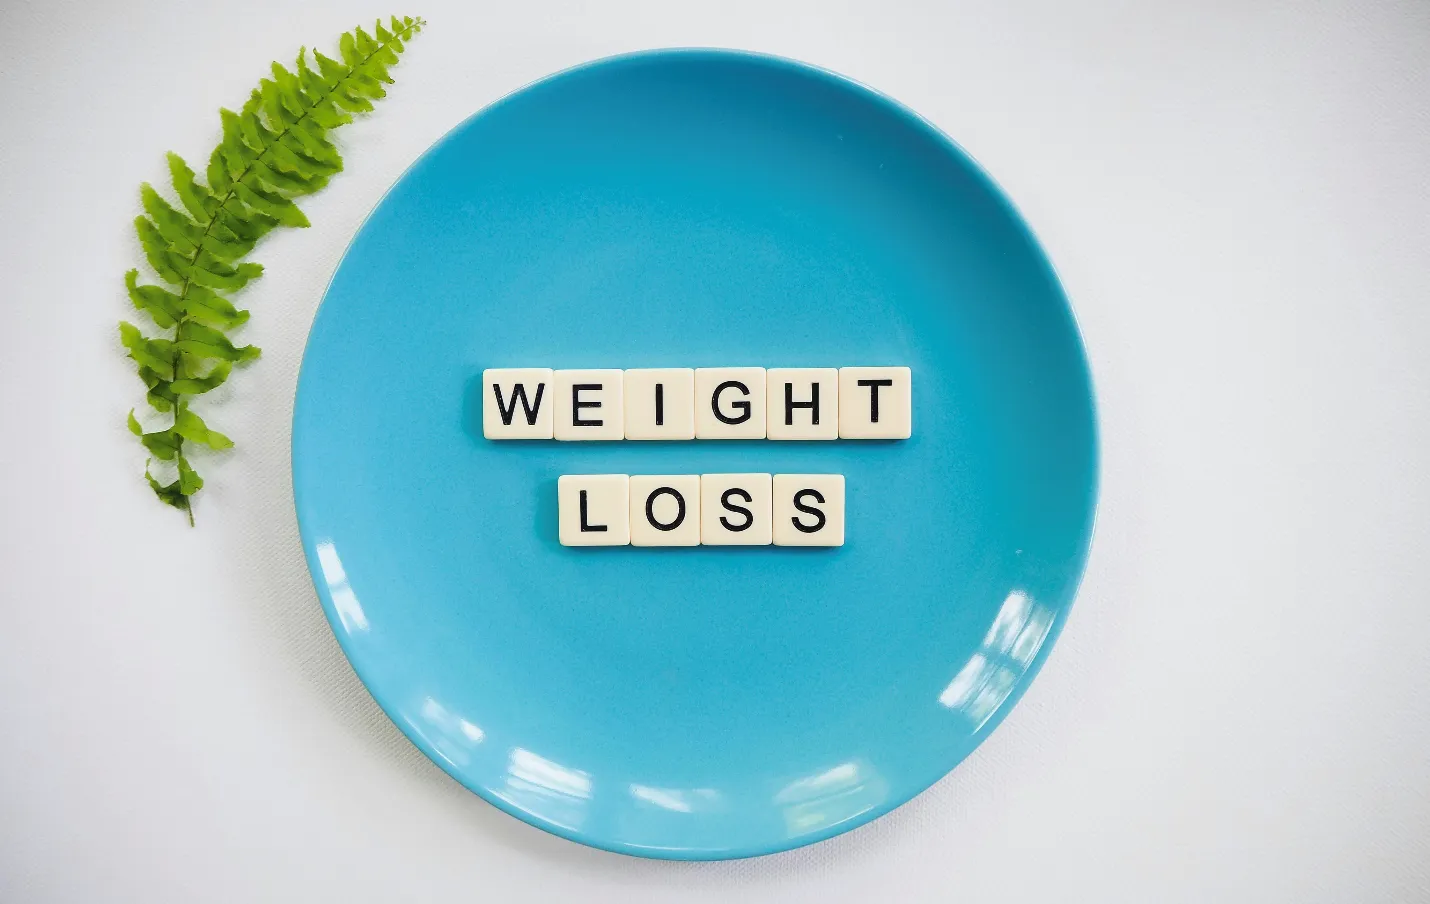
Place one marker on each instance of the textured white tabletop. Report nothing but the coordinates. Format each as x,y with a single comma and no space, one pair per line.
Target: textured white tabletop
1237,196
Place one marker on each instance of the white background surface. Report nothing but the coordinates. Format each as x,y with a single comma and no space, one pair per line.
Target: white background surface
1236,195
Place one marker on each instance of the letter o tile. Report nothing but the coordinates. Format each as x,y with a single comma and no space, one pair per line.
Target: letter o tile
665,510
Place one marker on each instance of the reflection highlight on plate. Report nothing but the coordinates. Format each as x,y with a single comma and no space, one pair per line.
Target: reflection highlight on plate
545,788
830,797
344,600
990,674
677,800
452,736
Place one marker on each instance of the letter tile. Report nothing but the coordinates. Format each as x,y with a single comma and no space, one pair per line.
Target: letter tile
875,403
730,403
588,404
516,403
803,403
660,403
809,509
665,510
735,509
593,509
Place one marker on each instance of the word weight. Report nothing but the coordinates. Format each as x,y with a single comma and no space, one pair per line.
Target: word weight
709,403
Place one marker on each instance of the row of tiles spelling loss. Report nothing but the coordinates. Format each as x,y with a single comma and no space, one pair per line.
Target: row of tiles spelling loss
676,403
701,509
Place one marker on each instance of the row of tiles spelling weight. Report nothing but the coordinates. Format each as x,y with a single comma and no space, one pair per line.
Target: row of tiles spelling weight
701,509
678,403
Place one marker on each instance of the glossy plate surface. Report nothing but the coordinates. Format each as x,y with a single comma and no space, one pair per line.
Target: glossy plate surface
695,208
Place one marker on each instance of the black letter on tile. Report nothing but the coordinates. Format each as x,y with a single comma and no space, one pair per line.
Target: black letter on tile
725,501
659,404
577,404
742,407
791,404
874,397
808,510
650,508
585,526
518,393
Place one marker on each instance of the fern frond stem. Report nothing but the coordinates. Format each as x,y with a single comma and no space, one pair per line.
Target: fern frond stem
402,35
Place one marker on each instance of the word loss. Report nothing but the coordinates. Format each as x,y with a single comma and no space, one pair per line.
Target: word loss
680,403
701,509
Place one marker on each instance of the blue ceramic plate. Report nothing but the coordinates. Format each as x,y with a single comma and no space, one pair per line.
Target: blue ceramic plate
695,208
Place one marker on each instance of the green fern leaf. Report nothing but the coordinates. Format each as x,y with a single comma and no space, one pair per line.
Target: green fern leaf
289,182
203,342
199,385
240,149
365,44
325,116
274,148
163,307
314,147
347,46
162,444
245,225
217,172
182,234
350,100
314,88
161,396
212,273
192,427
197,199
224,245
151,379
211,309
189,481
172,494
333,72
290,92
371,86
155,354
271,204
280,118
169,266
250,129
